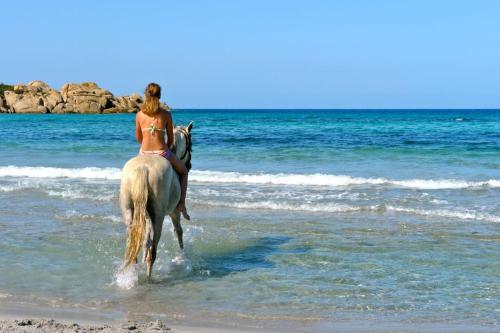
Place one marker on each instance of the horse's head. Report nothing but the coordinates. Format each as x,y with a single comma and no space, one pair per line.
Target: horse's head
183,144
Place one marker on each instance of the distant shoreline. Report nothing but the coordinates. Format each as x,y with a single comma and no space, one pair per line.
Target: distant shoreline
87,97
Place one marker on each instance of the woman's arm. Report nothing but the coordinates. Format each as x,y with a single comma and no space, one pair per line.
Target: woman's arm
138,131
170,131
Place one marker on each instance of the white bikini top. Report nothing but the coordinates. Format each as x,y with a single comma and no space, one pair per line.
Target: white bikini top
152,128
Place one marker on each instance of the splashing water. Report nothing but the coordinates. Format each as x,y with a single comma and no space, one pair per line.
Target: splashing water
127,278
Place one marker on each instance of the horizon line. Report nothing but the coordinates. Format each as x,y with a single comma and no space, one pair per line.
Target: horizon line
347,109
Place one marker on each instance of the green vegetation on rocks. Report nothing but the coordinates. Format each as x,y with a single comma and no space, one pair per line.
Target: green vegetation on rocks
5,87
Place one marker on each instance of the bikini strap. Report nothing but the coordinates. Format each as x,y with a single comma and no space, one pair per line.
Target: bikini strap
152,128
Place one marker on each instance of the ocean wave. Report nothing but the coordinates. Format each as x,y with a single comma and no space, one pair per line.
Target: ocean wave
77,194
99,192
341,208
207,176
329,180
462,215
51,172
73,215
270,205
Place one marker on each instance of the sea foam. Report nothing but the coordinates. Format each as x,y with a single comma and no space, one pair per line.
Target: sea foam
51,172
126,278
342,208
207,176
329,180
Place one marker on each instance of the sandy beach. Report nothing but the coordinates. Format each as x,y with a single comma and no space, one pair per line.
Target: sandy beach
56,326
39,325
50,325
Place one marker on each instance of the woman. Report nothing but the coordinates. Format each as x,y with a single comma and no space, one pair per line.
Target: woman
151,124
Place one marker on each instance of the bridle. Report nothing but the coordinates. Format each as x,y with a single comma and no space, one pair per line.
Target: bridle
189,147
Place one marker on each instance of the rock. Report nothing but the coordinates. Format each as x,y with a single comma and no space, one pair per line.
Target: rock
24,322
135,97
114,109
64,108
53,98
10,97
26,104
3,105
34,97
132,103
58,108
40,85
130,326
86,97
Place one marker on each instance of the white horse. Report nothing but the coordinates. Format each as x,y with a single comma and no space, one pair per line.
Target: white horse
149,190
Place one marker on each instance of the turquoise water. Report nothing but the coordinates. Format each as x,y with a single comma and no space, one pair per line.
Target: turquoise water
312,217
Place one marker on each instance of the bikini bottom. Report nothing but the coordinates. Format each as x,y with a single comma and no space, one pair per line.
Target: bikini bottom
164,153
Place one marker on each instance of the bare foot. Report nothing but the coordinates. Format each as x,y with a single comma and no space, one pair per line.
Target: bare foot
182,208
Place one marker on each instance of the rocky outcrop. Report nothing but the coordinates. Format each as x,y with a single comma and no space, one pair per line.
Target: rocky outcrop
87,97
3,105
35,96
125,104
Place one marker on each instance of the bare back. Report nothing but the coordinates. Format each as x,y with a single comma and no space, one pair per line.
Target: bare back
151,130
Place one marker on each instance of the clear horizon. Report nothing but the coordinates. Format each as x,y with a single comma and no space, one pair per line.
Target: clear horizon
264,55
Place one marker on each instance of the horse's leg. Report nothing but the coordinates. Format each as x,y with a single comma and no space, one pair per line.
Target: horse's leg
127,207
176,221
158,226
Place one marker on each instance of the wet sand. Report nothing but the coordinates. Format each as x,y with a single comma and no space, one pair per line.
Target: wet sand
52,326
56,326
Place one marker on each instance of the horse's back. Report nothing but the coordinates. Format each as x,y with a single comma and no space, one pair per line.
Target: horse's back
156,165
162,187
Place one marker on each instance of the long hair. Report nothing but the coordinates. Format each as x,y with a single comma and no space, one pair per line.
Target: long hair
152,96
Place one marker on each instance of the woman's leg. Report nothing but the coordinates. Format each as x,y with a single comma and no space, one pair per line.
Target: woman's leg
181,169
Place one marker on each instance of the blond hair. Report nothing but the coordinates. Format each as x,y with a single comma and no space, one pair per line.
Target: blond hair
152,96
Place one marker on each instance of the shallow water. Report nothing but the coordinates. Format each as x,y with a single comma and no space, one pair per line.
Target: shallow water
317,217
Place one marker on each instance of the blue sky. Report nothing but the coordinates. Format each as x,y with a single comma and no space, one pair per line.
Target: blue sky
263,54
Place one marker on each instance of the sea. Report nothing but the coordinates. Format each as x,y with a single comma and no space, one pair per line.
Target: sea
301,220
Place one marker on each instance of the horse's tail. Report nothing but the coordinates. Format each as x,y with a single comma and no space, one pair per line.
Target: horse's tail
139,196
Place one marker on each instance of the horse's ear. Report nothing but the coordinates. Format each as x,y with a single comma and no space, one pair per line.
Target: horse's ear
190,127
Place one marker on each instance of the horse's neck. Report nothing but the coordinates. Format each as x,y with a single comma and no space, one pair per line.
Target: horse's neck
180,144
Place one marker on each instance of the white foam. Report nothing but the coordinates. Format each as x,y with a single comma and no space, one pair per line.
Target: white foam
74,215
462,215
341,208
494,182
77,194
430,184
329,180
113,218
127,278
10,188
270,205
207,176
317,179
19,186
50,172
179,266
191,233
